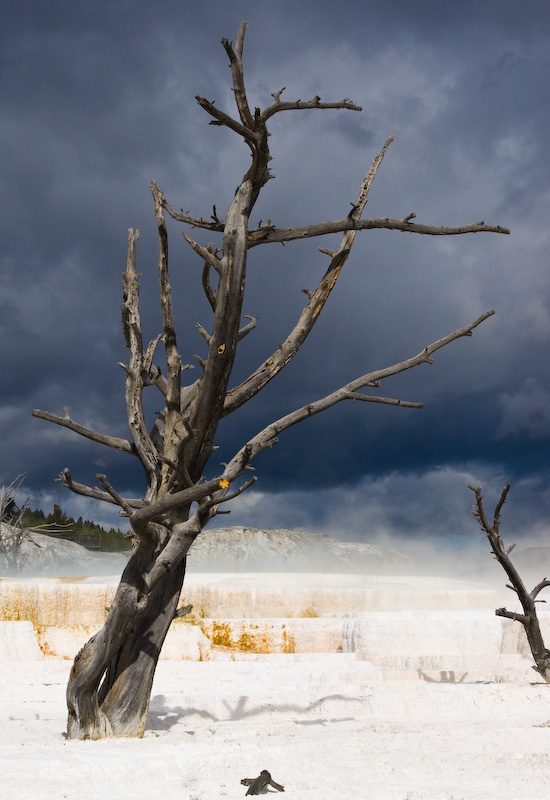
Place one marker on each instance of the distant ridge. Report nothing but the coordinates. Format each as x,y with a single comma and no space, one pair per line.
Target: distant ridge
242,549
45,555
236,549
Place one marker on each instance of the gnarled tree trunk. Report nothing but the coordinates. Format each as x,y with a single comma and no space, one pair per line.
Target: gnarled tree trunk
111,679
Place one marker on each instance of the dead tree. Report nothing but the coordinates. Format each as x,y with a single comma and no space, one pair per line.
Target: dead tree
15,539
529,618
110,683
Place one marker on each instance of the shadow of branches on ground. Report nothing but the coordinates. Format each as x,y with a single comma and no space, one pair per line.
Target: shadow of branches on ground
163,716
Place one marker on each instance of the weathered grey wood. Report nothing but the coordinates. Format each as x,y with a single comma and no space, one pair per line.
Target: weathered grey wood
529,618
349,224
255,785
110,684
101,438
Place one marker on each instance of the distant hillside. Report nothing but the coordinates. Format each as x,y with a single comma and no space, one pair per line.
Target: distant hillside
41,554
255,550
220,550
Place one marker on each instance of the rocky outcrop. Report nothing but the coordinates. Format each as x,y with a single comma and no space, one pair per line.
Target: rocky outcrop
241,549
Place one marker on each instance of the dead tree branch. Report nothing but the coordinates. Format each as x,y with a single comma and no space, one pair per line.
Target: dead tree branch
136,374
65,478
268,436
305,105
348,224
236,62
101,438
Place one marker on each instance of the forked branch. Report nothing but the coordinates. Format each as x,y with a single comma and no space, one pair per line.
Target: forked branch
67,481
236,62
317,300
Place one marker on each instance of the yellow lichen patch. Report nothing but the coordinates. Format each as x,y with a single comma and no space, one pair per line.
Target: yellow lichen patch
43,644
289,643
251,639
309,612
246,643
221,634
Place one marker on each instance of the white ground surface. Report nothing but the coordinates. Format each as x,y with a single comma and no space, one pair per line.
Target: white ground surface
327,726
315,722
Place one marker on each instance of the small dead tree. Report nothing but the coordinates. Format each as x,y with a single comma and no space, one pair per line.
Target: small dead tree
529,618
13,535
110,683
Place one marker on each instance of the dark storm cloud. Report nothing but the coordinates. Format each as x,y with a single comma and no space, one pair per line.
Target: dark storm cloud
98,98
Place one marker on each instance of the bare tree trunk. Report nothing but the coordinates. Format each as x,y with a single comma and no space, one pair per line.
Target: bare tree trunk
529,618
110,683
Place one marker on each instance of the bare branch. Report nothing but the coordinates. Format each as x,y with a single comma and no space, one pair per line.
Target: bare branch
301,105
156,377
479,511
148,358
66,479
135,373
203,252
196,222
246,329
203,333
153,511
498,508
539,587
348,224
387,400
502,612
114,494
236,60
173,360
216,501
221,118
101,438
206,285
268,436
183,611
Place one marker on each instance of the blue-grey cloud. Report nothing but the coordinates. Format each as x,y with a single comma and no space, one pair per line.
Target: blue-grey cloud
98,99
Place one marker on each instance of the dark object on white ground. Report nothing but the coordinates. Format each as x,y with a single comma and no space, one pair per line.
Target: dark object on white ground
255,785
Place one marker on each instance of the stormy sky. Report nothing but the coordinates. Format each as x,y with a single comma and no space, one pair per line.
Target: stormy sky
98,99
